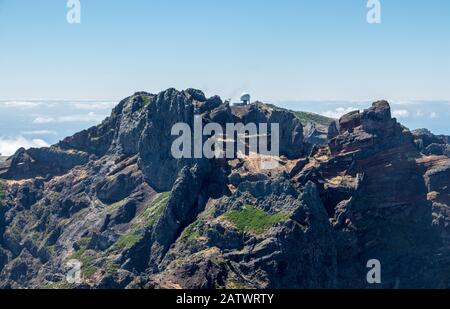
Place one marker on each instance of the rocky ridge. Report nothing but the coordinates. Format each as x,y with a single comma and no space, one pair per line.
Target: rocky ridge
113,198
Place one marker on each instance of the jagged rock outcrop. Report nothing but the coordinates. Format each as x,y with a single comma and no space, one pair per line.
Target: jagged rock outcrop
114,198
374,190
315,134
430,144
296,252
43,162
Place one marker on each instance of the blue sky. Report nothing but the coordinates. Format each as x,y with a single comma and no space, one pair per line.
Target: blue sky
313,55
277,50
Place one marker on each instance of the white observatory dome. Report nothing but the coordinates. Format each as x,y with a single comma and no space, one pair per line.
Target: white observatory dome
245,97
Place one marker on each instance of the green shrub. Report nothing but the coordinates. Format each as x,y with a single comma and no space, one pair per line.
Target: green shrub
252,219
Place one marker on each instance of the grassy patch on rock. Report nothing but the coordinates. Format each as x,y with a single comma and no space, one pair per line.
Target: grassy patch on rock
153,211
191,232
147,218
127,241
51,249
111,267
61,285
254,220
87,271
2,191
306,117
116,205
146,100
86,257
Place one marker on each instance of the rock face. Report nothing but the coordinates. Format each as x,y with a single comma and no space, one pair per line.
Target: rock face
430,144
114,198
385,211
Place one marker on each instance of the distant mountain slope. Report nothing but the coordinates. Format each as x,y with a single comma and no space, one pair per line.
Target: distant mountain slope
315,126
306,117
112,197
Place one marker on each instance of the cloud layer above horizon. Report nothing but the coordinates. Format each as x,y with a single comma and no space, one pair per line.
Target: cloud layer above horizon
8,146
40,123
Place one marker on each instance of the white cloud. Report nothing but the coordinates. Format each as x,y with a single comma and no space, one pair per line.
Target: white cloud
90,117
432,115
339,112
8,146
405,102
420,113
20,104
94,105
401,113
42,119
39,132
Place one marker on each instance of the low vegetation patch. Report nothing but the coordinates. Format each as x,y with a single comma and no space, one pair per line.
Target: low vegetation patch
84,242
61,285
153,211
146,100
305,117
252,219
127,241
117,204
111,267
87,271
86,257
82,254
2,191
51,249
146,219
191,232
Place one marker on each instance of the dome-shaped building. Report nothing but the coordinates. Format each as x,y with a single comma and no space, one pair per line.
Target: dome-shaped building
245,98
